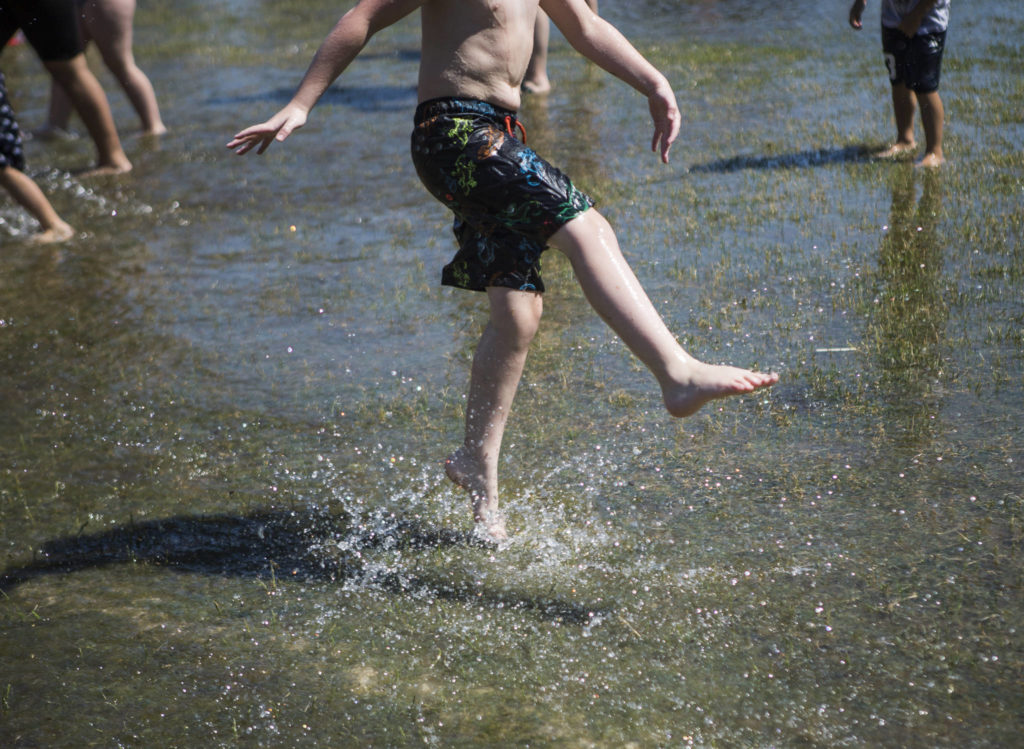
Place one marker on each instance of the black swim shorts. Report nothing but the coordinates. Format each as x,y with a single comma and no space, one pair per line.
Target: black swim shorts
507,201
914,61
10,137
51,26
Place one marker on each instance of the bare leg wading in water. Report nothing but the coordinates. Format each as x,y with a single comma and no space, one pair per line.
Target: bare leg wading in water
109,23
617,296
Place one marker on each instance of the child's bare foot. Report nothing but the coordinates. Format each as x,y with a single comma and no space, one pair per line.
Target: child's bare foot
896,150
53,132
931,160
118,166
58,233
464,472
707,382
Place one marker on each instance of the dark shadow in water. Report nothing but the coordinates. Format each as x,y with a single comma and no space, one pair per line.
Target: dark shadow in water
363,98
281,545
794,160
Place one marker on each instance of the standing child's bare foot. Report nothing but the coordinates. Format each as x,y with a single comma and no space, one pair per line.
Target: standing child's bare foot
896,150
706,382
58,233
464,472
931,160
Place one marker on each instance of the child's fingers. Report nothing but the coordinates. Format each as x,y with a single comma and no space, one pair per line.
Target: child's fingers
665,134
246,141
662,142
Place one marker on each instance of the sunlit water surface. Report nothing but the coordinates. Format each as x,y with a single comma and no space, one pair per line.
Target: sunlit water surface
225,405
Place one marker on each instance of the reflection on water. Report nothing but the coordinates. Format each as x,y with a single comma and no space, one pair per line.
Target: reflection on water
222,410
910,310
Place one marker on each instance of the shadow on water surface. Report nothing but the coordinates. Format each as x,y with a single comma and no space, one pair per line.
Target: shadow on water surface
796,159
305,546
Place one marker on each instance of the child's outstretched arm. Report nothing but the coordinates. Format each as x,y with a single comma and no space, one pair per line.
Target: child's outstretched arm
336,52
599,41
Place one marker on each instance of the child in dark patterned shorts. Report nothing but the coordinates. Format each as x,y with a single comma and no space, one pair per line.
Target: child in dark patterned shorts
509,204
20,185
913,39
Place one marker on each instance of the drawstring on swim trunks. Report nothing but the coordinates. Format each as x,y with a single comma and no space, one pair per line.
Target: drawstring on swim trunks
508,127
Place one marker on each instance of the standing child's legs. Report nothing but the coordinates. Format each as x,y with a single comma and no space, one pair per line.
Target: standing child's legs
536,81
617,296
932,119
497,368
903,109
915,67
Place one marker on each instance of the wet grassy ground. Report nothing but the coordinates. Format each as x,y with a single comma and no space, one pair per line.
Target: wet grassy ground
222,513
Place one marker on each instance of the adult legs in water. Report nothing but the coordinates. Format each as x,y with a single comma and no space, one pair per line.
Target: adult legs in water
614,292
109,24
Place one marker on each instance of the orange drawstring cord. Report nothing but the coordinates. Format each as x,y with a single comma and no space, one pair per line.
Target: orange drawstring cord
508,127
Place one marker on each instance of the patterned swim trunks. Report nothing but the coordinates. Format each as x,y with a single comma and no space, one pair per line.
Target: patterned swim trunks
507,201
11,153
916,62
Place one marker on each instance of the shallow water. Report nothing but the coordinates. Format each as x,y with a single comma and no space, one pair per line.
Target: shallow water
225,403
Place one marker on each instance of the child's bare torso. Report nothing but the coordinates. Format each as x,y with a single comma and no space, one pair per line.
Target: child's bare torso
476,49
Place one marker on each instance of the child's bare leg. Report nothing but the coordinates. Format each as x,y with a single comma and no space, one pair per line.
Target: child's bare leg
26,193
59,114
536,80
109,24
497,367
932,119
91,104
58,117
903,108
615,293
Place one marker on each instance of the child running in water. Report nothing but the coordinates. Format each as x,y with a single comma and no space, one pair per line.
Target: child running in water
913,39
510,204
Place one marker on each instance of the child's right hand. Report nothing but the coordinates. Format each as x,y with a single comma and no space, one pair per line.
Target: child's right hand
856,11
278,127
